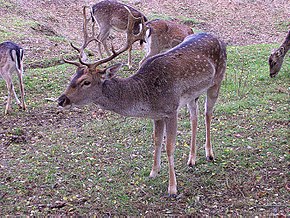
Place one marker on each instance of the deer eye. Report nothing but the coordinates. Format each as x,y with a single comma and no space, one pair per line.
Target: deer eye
86,83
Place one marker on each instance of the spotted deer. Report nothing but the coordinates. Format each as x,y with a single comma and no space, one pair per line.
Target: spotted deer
277,57
11,59
112,15
163,35
160,87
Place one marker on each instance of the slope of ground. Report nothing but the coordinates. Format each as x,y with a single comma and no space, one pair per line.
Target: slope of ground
45,28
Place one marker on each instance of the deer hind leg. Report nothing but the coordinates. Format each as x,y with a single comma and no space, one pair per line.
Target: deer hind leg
158,138
171,129
10,89
20,77
212,95
193,109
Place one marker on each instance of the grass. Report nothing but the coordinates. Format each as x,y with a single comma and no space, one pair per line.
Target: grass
86,161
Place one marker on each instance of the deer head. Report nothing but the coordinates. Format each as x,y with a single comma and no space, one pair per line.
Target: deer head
277,56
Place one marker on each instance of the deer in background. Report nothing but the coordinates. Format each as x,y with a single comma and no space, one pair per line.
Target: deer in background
113,15
163,35
11,59
160,87
277,57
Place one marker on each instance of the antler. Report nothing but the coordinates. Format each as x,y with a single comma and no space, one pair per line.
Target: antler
87,39
130,39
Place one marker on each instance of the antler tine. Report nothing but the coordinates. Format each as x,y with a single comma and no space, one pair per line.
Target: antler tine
76,63
130,39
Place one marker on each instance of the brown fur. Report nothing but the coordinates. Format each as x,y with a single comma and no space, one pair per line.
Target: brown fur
11,59
164,35
162,85
112,15
277,57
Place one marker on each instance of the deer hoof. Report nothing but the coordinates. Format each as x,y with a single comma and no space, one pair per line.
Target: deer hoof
191,163
153,174
172,196
210,158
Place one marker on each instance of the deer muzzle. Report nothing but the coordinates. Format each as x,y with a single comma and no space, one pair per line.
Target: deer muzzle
63,101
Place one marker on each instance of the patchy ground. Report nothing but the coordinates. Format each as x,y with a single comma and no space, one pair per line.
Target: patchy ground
87,161
45,28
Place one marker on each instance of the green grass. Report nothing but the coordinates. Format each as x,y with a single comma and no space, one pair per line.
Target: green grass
87,162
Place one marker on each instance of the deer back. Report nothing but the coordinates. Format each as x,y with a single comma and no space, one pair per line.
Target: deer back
184,71
11,54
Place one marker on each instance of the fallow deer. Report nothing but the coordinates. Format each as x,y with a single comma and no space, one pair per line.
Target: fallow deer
160,87
163,35
277,57
11,59
112,15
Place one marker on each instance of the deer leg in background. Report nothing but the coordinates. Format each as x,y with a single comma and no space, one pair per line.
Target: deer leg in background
130,57
158,138
193,109
171,130
102,37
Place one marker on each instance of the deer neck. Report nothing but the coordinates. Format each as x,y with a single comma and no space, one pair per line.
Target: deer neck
124,96
286,44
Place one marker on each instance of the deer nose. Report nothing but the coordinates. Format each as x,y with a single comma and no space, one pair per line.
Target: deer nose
273,75
63,101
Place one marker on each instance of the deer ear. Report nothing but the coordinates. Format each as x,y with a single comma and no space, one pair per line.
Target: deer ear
110,71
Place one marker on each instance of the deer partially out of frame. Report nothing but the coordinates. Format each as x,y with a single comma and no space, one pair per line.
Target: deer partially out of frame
11,59
161,86
277,57
163,35
113,15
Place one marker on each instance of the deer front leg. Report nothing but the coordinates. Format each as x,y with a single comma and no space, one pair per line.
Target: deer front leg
193,109
171,129
158,138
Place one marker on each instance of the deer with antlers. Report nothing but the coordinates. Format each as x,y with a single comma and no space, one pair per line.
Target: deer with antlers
11,60
277,57
163,35
113,15
161,86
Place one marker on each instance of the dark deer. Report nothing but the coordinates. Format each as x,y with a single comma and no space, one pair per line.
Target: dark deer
277,57
163,35
162,85
11,60
113,15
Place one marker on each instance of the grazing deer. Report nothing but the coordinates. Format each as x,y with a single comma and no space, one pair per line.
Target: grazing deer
277,57
163,35
11,59
161,86
113,15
